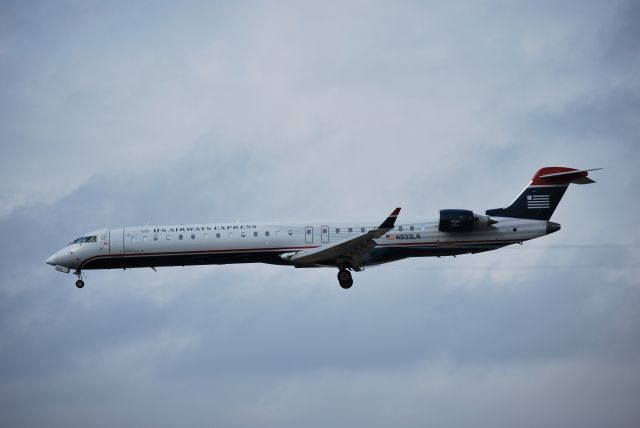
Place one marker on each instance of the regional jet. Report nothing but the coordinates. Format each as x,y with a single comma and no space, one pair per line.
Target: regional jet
349,247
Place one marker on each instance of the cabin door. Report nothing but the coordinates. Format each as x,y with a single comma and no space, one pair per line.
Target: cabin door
116,241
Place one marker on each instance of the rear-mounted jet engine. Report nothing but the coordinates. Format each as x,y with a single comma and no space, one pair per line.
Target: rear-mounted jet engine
463,221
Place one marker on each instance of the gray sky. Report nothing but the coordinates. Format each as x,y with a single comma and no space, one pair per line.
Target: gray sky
116,113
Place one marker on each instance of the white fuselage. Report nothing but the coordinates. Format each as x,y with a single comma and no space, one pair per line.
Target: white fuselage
221,243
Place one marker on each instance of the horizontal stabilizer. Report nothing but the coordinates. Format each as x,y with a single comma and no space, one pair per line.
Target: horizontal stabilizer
572,176
582,180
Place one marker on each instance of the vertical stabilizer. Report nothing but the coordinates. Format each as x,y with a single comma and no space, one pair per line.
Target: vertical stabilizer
540,198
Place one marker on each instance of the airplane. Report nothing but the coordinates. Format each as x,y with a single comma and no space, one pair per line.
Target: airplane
345,246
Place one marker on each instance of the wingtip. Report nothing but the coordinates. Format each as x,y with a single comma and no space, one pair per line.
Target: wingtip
391,220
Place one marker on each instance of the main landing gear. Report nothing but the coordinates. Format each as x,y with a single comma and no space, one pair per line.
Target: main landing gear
79,282
345,279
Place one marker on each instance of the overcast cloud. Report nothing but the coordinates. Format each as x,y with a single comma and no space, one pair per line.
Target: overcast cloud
121,113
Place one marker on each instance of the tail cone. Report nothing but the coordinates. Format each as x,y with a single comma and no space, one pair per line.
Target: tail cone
552,227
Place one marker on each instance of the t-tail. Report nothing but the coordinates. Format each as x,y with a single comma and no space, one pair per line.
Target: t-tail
540,198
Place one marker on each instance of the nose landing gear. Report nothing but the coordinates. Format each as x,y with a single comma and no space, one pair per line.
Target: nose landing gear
79,282
345,279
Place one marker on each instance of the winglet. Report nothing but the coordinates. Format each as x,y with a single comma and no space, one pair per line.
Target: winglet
391,220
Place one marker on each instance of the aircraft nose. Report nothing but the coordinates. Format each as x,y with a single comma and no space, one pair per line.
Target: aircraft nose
52,259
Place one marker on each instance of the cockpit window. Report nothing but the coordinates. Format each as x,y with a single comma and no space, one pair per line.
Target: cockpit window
85,239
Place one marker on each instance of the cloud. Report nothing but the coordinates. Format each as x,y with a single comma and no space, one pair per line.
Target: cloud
127,114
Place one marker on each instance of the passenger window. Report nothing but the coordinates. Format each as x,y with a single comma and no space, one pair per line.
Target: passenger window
350,230
243,234
290,232
362,229
411,228
400,228
168,237
266,233
217,235
155,237
180,237
337,230
255,234
193,236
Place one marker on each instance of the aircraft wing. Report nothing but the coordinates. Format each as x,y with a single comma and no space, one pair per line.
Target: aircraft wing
349,252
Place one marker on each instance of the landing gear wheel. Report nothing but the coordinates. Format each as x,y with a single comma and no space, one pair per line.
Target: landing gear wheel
79,283
345,279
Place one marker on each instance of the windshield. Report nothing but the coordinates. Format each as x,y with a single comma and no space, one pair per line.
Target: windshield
84,239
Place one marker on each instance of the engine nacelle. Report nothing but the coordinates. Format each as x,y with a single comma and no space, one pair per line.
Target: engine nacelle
463,221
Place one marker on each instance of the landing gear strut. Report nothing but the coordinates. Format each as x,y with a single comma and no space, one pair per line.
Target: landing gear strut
79,282
345,279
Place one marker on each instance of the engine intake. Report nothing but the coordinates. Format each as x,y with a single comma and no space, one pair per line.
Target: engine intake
460,221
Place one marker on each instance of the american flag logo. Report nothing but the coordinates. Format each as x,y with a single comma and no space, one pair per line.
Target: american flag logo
535,202
390,236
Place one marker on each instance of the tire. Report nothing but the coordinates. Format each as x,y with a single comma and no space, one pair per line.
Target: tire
344,275
347,284
345,279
